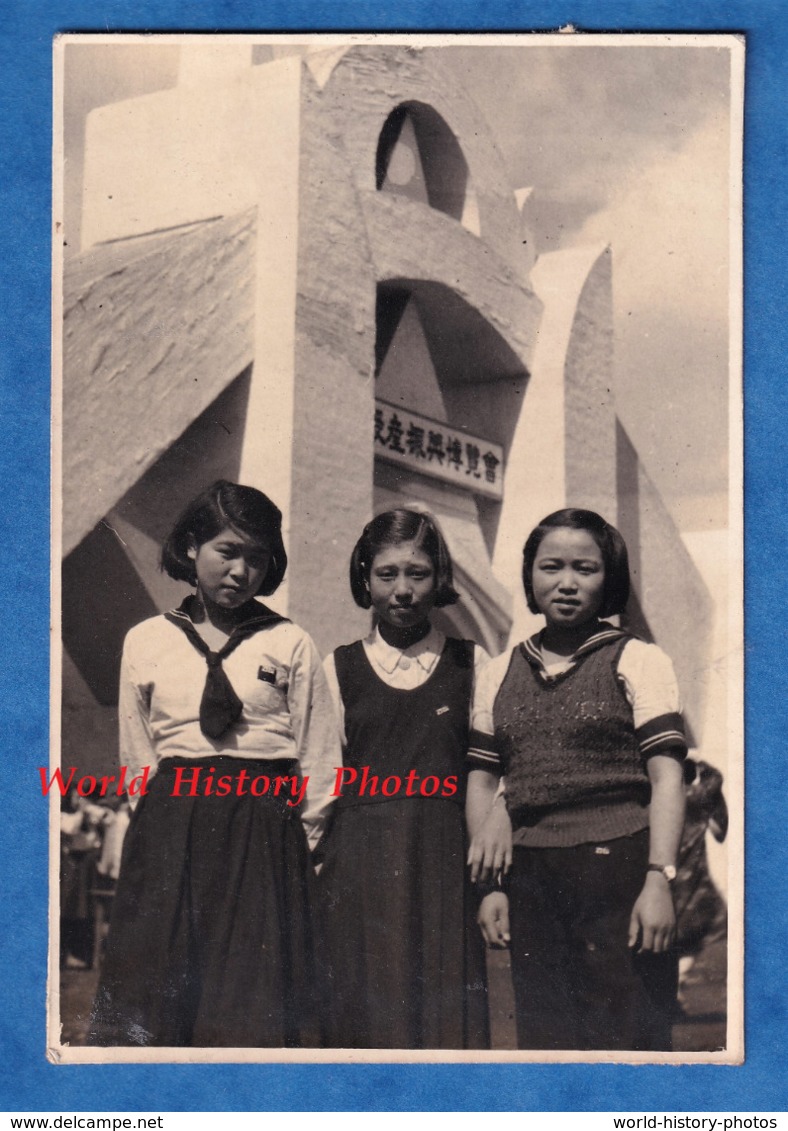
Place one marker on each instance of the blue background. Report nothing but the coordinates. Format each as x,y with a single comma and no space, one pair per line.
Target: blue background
27,1081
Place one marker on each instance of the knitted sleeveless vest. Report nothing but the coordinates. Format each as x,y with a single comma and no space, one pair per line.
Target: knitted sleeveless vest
392,732
569,741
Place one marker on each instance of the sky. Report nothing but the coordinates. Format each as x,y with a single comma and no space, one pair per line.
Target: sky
630,146
623,145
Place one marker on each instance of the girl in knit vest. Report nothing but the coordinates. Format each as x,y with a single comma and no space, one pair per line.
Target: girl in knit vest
225,710
583,722
405,960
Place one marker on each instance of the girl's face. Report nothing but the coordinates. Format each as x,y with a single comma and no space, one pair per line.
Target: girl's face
568,577
402,585
230,568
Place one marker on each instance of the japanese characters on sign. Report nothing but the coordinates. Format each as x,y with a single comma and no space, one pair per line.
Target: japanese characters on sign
436,449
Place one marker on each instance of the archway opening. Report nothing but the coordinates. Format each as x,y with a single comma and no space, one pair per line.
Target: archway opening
419,157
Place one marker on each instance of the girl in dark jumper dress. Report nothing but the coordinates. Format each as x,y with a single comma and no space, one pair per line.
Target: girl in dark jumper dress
582,719
405,962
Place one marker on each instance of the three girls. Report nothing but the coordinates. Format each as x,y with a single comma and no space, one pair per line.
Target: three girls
213,937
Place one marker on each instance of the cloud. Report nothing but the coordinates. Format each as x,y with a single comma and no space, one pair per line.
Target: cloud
669,227
668,222
628,145
577,122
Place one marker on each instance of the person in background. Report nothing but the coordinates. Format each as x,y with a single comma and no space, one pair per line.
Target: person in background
81,824
701,914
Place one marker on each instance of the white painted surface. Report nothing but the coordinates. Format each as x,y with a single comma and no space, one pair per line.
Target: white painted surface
187,154
536,468
713,555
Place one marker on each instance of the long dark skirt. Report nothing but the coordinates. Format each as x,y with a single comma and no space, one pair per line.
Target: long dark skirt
211,936
404,955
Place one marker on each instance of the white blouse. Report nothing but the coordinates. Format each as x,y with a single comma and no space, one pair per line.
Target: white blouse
287,707
402,668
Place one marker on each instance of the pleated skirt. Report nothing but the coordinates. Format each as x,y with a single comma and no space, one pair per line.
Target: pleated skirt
211,942
403,957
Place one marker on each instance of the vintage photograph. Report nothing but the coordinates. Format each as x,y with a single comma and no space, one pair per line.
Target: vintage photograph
397,549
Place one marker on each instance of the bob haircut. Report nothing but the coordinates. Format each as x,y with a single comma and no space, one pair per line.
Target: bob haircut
611,545
224,504
392,528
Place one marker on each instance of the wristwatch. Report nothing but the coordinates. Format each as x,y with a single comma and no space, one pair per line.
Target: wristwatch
667,870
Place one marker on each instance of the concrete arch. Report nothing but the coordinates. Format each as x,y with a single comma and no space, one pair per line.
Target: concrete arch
481,378
438,158
543,475
377,80
408,241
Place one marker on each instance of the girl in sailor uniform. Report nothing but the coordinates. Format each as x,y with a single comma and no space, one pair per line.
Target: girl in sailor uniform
212,934
583,722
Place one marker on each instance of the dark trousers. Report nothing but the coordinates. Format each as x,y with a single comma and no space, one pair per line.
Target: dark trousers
577,983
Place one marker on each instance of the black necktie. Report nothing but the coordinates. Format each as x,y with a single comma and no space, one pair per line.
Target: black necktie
220,707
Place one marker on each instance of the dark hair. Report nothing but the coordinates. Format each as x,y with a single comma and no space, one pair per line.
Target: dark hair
224,504
611,544
392,528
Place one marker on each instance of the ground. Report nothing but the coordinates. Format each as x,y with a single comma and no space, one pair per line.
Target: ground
700,1021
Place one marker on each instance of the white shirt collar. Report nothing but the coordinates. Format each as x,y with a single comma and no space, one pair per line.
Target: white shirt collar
426,652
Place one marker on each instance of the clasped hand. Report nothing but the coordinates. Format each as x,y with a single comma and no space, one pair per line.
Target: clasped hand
490,854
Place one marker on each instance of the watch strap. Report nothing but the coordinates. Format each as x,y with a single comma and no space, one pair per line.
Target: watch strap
667,870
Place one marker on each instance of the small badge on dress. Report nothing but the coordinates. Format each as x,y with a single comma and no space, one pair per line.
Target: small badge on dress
441,710
266,674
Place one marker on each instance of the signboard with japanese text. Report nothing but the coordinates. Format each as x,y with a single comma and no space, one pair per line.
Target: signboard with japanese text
439,450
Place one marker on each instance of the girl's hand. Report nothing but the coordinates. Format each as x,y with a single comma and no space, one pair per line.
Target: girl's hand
653,921
493,918
491,848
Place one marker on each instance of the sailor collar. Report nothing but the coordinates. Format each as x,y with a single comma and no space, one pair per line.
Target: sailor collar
259,616
532,649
